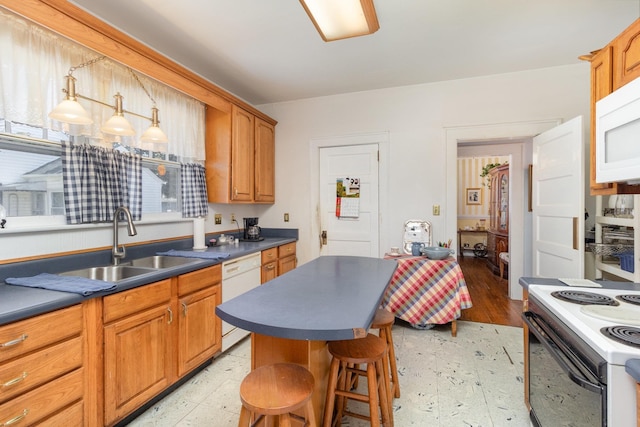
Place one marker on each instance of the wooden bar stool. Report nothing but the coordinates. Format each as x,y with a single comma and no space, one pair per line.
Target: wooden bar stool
383,321
275,391
347,356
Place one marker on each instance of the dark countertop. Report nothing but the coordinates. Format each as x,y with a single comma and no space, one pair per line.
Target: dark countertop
18,302
633,368
329,298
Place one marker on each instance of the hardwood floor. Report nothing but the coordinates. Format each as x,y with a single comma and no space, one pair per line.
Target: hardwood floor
489,295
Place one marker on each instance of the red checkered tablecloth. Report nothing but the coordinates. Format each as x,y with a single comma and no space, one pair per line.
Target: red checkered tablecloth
427,292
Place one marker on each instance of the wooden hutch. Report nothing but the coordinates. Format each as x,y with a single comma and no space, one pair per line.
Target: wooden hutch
498,232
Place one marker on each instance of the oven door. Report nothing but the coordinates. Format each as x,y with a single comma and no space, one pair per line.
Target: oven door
563,391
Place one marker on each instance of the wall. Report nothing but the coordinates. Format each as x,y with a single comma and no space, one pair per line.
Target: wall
416,118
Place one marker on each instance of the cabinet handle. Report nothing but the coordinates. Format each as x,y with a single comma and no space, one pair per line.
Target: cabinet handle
184,309
14,342
15,380
16,418
235,191
170,315
269,267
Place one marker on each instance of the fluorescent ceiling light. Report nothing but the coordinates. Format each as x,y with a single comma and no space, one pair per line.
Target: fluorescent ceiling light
341,19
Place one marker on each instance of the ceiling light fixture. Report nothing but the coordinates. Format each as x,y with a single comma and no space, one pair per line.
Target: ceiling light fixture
341,19
70,110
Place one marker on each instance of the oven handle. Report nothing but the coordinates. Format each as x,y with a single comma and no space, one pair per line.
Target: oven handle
558,350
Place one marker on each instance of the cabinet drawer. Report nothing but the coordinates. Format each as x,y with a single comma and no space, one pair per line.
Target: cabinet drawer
269,271
37,404
269,255
24,336
136,300
200,279
71,416
286,250
39,367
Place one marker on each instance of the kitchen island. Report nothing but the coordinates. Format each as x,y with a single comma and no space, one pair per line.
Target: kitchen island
293,316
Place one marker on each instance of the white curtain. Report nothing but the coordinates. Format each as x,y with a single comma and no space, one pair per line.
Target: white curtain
33,63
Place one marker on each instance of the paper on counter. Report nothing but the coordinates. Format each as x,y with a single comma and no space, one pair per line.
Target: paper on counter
584,283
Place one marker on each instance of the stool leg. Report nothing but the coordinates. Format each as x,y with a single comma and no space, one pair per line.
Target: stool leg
344,378
392,361
374,398
384,392
331,395
245,417
310,415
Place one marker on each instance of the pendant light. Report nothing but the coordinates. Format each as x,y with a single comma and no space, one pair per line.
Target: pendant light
117,124
70,110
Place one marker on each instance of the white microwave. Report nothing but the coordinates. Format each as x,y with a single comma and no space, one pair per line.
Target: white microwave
618,135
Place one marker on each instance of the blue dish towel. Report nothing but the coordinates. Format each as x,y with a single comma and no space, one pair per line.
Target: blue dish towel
195,254
53,282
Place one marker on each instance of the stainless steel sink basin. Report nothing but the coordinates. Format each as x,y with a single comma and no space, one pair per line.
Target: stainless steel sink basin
111,273
160,261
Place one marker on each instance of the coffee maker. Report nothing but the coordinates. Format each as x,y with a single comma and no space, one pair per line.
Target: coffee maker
251,230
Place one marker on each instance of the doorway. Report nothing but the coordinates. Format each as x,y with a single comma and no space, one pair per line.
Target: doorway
520,243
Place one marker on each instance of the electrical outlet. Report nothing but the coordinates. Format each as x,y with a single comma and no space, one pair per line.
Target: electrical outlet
218,218
233,217
286,217
436,210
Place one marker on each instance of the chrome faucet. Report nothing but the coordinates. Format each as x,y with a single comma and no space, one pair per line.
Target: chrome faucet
119,252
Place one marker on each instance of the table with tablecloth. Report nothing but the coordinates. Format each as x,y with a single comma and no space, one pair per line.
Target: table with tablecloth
425,292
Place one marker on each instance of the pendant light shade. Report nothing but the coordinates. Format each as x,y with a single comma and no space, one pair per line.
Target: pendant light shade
70,110
117,124
154,133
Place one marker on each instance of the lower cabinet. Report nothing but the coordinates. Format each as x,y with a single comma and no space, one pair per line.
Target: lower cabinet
155,334
200,330
42,374
277,261
137,350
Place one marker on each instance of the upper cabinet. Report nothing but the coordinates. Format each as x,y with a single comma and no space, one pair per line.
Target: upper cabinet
612,67
240,163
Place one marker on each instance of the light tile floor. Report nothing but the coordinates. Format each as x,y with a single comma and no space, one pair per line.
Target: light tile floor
475,379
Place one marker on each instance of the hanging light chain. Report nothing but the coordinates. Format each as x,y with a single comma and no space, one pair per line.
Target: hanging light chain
135,76
85,64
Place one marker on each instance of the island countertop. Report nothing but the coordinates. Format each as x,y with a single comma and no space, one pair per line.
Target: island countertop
329,298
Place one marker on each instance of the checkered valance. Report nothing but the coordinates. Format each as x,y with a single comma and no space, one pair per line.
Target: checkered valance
97,181
194,190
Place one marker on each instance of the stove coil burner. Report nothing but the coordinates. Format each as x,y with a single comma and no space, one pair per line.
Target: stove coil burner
631,299
584,298
624,334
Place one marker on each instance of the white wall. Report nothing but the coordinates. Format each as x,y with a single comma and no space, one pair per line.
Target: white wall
416,118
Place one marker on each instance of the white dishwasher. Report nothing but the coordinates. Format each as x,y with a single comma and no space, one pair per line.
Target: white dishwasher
238,276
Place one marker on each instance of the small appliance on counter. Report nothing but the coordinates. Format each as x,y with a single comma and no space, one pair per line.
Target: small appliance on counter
251,230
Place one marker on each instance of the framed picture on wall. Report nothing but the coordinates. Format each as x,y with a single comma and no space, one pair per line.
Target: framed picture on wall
474,196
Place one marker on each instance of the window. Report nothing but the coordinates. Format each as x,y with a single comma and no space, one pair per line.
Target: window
31,175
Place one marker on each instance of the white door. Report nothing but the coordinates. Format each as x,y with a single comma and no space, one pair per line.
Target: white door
357,235
558,201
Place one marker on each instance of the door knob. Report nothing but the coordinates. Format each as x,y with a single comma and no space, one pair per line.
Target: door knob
324,237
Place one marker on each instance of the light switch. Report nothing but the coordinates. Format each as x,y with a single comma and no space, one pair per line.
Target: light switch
218,218
286,217
436,210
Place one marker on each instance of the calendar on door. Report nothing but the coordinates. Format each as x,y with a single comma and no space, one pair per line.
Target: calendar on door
348,197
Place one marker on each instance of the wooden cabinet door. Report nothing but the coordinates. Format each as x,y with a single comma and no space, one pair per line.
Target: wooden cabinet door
286,264
136,361
502,193
269,271
626,51
242,155
265,162
200,329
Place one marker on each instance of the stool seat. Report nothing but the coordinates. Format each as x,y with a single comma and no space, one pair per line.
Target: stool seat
361,350
277,389
382,319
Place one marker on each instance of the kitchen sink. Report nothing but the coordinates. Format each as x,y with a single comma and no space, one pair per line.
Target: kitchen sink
160,261
111,273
